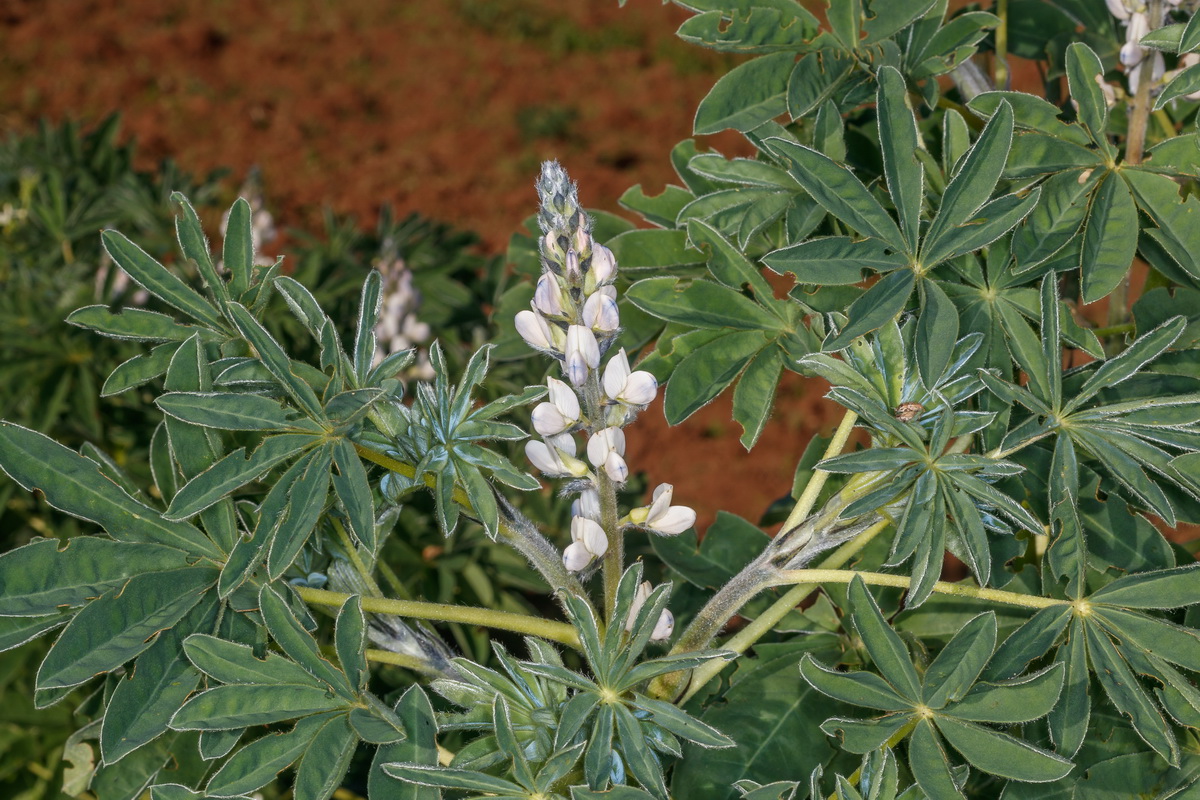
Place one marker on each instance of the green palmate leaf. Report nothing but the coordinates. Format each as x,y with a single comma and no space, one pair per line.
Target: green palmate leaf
143,702
936,334
306,501
976,178
1018,700
1067,554
863,736
230,662
139,369
242,705
122,624
744,171
995,219
707,370
257,764
238,250
1028,642
76,485
886,648
816,79
1083,69
857,688
654,249
158,280
350,638
276,360
353,489
725,262
297,643
879,306
1119,368
234,412
640,762
747,96
16,631
136,324
369,305
1001,754
1185,83
1155,637
835,260
325,761
700,303
755,394
448,778
957,667
1167,588
419,747
1068,719
1060,211
39,578
838,191
900,140
1127,694
1030,111
1109,238
194,245
930,765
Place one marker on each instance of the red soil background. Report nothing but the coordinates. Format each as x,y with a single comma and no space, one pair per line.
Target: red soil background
444,107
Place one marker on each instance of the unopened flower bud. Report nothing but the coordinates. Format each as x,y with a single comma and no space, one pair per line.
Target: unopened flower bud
535,330
604,265
548,297
573,271
551,249
587,505
665,626
666,620
600,313
606,450
631,388
583,242
582,353
662,517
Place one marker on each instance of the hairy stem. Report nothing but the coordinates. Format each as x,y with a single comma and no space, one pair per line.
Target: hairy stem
355,559
401,660
416,609
808,498
819,576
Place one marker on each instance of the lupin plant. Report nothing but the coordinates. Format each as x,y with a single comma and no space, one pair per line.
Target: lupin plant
945,236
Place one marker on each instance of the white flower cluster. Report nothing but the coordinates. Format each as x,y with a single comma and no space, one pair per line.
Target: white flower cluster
1135,16
574,318
398,327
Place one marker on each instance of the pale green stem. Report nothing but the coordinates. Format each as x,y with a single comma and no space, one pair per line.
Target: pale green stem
416,609
819,576
401,660
892,741
355,559
1001,72
767,620
808,498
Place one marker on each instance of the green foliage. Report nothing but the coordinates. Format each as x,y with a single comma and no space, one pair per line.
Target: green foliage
943,236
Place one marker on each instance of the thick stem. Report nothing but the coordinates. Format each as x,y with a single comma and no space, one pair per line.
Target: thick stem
808,498
819,576
416,609
401,660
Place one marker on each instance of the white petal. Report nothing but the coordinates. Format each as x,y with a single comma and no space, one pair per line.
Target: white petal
548,297
544,458
604,265
589,533
640,389
576,557
574,273
674,520
616,373
1131,54
665,626
534,330
1117,9
564,398
659,503
587,505
597,449
564,443
548,420
616,468
639,599
600,313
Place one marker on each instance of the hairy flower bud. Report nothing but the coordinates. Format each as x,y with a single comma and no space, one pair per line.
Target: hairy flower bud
574,272
582,353
606,450
604,265
587,505
666,620
548,296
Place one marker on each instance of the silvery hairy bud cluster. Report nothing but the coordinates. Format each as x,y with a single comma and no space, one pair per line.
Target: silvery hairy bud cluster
574,318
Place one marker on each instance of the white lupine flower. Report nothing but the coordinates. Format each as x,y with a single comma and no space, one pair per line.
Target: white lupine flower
555,457
560,413
1118,9
661,516
535,330
548,297
606,449
666,620
589,533
582,352
600,313
632,388
573,270
604,265
587,505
